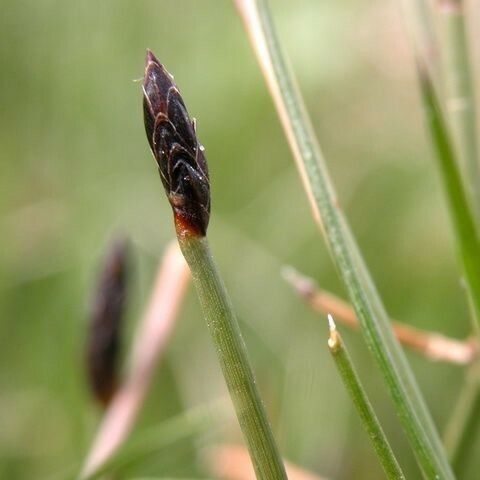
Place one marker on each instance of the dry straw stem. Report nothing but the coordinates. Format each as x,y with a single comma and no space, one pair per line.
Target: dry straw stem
365,411
459,93
151,340
163,436
232,462
431,345
375,323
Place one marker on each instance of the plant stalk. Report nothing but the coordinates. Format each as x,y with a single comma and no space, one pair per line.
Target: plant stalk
459,94
364,408
376,327
232,355
432,345
421,32
153,333
187,424
462,217
464,205
182,165
462,428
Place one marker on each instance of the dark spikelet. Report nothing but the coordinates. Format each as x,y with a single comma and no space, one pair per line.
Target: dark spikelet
174,144
104,336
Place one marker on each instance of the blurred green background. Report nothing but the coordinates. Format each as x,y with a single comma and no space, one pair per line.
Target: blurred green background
76,170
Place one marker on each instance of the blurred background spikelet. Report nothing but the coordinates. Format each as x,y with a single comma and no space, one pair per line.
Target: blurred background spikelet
105,331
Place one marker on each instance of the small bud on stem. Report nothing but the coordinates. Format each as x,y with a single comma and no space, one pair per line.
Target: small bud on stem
174,144
103,343
183,170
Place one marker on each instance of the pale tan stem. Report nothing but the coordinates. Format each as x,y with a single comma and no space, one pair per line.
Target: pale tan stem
151,339
232,462
431,345
253,26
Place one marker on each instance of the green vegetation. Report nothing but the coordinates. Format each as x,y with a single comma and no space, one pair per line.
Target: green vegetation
77,172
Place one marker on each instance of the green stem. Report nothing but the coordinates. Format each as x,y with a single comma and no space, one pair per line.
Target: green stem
364,408
462,217
375,323
459,93
460,104
462,428
232,355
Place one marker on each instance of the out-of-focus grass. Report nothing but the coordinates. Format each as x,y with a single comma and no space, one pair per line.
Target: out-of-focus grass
75,168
